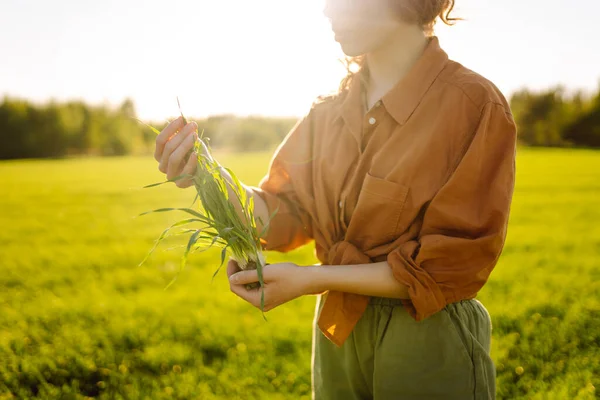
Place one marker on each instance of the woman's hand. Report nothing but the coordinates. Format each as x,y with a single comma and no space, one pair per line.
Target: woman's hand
283,282
173,145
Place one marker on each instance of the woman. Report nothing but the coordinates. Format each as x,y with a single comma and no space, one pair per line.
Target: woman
404,180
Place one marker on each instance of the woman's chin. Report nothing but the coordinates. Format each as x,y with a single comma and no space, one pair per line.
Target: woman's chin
350,49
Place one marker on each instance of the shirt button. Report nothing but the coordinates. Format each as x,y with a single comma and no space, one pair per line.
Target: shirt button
340,204
372,120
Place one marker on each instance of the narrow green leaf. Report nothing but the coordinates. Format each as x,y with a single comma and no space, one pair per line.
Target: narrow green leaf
194,201
163,235
262,302
266,227
168,180
212,243
262,286
183,232
223,254
184,258
179,105
196,214
149,126
175,247
237,186
170,283
260,274
226,230
251,206
187,250
202,241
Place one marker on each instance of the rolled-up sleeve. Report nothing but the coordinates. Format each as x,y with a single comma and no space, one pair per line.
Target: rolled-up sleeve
465,224
287,188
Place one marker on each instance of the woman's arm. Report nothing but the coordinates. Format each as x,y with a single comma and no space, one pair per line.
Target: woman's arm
287,281
374,279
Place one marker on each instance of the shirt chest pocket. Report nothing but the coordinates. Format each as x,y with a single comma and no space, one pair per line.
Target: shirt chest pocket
375,219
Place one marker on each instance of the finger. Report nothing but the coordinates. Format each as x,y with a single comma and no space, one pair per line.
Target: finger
242,292
176,158
163,137
232,267
251,296
173,143
189,168
244,277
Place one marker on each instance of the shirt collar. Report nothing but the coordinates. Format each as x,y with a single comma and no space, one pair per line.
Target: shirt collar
405,96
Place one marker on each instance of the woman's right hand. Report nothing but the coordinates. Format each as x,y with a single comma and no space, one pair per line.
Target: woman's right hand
172,146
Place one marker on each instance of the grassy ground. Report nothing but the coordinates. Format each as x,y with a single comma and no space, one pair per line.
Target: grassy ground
78,318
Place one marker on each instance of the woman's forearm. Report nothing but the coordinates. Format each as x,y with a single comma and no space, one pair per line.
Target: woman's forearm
374,279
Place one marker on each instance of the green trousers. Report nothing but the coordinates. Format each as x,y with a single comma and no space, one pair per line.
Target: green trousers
391,356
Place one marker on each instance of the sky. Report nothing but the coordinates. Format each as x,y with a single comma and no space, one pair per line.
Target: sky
262,57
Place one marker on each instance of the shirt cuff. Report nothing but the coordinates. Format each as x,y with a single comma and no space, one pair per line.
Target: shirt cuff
426,297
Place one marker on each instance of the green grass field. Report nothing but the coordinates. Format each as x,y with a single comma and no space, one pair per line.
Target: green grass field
78,319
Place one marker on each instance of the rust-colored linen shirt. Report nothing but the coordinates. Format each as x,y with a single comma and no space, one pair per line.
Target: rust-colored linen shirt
424,180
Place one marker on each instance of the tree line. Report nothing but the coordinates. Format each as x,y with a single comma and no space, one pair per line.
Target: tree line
550,117
556,118
57,129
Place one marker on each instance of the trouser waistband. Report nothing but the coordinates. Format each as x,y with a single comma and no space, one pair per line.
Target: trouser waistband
385,301
388,301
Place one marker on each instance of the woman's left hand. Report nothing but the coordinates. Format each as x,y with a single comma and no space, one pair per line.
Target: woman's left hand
282,282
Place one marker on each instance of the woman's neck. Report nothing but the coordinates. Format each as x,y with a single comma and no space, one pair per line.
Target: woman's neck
389,63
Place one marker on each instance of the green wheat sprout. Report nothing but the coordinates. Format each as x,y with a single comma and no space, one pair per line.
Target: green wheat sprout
219,223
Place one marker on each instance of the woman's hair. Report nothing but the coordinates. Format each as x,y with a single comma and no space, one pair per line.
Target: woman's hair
422,12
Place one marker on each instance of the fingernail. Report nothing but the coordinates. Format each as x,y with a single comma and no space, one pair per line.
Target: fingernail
233,279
